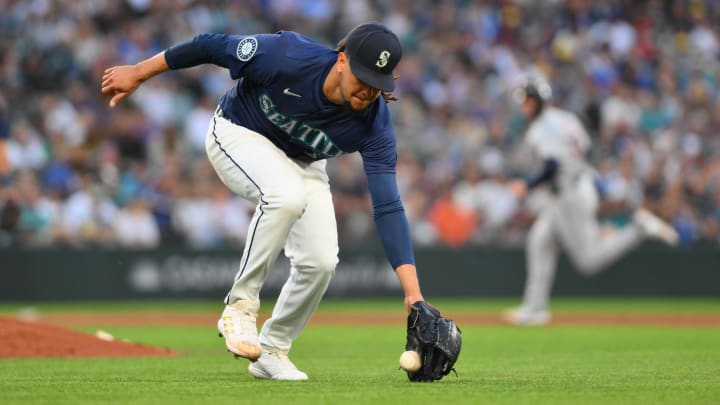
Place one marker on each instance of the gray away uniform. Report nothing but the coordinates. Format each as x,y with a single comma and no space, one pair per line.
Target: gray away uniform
569,220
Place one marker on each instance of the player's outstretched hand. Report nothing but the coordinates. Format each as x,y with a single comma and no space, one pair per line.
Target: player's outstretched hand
518,188
120,82
435,339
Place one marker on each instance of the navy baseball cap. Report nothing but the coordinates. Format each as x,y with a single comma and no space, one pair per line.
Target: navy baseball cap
374,51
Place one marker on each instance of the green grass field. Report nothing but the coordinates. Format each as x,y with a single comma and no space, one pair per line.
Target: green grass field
498,364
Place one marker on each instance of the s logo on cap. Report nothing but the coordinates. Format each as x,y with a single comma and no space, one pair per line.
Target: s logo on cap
383,59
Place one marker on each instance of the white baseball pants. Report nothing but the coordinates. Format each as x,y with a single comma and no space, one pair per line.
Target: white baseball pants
294,210
569,221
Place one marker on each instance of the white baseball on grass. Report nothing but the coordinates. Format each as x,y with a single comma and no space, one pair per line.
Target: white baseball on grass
410,361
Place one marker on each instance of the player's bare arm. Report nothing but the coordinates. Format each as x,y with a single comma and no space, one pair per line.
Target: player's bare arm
407,274
122,81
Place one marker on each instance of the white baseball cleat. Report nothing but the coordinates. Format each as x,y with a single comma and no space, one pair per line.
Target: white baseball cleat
237,325
276,365
655,227
523,317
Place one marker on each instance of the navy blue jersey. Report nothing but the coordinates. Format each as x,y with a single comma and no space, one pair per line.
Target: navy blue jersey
279,95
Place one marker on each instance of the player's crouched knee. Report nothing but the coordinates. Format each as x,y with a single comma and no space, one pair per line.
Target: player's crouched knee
321,264
587,262
288,202
327,263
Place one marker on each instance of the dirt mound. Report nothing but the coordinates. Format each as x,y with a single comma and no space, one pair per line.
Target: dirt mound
35,339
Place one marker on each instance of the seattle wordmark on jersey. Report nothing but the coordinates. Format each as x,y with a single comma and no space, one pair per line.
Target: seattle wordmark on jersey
321,144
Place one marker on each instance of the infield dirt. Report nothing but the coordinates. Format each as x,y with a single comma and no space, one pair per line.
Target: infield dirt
39,339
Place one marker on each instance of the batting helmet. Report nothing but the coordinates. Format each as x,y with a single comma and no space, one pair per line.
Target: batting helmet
539,90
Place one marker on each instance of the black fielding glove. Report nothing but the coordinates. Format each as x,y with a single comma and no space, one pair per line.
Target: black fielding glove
437,339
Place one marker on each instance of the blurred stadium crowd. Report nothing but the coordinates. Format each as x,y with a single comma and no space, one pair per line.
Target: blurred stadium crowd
643,75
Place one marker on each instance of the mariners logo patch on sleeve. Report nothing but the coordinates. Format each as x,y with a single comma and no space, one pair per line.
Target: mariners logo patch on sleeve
246,48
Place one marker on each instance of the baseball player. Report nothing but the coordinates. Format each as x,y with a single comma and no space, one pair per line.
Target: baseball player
558,139
295,104
4,135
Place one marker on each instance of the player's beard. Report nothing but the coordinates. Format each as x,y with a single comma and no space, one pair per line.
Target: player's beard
354,112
